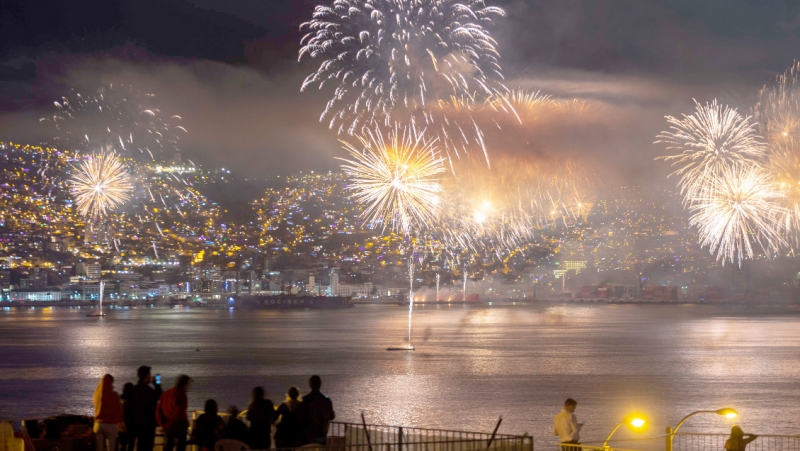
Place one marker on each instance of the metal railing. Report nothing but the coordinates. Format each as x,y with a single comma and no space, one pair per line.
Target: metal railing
389,434
687,441
589,447
343,436
405,443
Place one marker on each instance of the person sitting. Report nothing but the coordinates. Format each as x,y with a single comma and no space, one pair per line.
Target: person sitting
208,428
235,429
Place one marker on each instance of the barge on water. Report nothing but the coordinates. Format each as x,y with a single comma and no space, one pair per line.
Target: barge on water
290,302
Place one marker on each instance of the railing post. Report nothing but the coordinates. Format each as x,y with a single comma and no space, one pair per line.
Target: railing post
366,431
400,438
668,438
494,433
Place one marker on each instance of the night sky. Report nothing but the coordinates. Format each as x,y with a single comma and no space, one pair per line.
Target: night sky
229,68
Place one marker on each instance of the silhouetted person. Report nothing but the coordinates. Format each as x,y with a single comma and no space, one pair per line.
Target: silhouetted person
172,414
126,440
107,413
235,429
208,428
143,403
261,414
315,414
288,429
737,441
566,426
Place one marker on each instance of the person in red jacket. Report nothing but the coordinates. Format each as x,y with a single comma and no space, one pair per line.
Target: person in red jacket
172,414
107,413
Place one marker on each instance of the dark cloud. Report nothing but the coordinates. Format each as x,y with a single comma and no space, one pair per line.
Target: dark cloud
237,117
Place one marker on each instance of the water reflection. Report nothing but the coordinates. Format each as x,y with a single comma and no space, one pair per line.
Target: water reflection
472,364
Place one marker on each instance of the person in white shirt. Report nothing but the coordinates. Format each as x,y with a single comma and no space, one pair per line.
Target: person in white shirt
566,426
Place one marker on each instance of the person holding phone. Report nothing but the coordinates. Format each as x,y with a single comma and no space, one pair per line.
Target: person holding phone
144,400
566,426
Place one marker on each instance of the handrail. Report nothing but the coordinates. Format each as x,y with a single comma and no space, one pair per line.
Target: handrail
407,428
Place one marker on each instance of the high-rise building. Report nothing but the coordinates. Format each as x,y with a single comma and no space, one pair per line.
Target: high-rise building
90,270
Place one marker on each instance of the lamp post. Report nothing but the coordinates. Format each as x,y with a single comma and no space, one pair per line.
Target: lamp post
726,412
633,420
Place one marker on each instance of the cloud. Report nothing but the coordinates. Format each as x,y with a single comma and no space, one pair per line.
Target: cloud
237,117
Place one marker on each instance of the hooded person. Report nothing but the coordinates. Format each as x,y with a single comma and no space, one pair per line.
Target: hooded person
107,414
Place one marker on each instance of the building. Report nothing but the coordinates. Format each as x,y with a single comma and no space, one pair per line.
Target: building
34,295
90,270
573,265
358,290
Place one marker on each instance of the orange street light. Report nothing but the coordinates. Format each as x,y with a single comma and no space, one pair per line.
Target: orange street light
726,412
635,421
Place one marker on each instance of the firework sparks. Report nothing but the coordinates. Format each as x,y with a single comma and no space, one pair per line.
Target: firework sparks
101,183
492,212
396,177
121,118
709,142
778,114
736,209
394,59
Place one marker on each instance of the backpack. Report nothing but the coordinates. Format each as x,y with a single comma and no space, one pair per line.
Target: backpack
732,445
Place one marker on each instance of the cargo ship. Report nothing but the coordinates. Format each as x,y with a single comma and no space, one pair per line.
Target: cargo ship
287,302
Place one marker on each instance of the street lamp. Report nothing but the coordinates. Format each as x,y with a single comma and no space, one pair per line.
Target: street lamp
726,412
633,420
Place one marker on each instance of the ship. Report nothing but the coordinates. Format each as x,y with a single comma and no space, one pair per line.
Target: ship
291,302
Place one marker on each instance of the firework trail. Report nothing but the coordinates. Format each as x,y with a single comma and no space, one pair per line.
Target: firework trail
397,177
734,210
393,60
100,183
709,143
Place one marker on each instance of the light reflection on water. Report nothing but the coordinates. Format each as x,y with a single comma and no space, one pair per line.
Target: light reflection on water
472,364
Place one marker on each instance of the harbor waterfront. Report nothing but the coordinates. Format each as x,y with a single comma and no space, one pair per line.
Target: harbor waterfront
480,362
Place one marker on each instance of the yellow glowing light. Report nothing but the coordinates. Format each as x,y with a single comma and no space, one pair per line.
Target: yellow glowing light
727,412
637,422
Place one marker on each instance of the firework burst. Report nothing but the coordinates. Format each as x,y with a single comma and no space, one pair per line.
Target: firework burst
735,210
100,183
778,114
130,122
709,142
396,177
391,60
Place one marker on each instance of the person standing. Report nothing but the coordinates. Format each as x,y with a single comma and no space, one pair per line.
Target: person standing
566,426
125,439
208,428
261,414
737,441
172,414
288,428
143,403
315,414
107,414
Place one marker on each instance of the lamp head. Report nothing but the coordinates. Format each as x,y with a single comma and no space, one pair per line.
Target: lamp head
635,420
727,412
